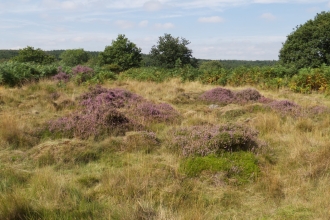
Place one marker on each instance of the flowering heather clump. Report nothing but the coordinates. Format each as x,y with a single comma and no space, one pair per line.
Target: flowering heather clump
116,98
317,110
285,106
205,140
82,73
219,95
97,122
99,115
158,112
247,95
61,76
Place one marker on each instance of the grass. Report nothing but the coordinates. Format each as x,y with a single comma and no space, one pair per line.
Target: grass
136,175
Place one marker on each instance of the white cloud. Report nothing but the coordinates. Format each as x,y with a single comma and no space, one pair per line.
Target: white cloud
268,16
68,5
164,26
124,24
152,5
143,23
213,19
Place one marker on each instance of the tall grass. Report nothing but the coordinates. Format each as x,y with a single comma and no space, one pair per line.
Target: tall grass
143,174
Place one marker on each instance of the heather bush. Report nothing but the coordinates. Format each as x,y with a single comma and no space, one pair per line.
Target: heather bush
285,107
82,74
115,98
99,115
97,121
162,112
208,139
61,76
218,95
247,95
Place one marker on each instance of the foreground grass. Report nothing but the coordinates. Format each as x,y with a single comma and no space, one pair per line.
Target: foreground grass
126,177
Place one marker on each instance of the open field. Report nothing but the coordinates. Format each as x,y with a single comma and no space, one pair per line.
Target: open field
262,158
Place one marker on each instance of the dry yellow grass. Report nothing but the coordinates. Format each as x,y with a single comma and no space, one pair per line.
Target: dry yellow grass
130,183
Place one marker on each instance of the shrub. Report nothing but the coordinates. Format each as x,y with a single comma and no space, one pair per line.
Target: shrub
247,95
99,115
205,140
285,107
218,95
160,112
61,76
82,74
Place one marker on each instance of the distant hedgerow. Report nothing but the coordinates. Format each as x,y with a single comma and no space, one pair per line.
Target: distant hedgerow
206,140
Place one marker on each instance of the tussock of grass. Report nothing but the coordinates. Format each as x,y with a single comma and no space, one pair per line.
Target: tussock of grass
143,173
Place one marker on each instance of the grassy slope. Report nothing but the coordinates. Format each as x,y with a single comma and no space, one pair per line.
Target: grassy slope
116,178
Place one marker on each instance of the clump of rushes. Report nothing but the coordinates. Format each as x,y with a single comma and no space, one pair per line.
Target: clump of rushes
212,139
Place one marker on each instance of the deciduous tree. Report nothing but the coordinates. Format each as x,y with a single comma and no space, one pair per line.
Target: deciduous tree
309,44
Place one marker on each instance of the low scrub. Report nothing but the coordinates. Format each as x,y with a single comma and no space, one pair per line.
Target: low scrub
224,96
208,139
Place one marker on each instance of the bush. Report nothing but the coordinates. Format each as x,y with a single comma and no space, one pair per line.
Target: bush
206,140
247,95
82,74
218,95
159,112
61,76
99,115
285,106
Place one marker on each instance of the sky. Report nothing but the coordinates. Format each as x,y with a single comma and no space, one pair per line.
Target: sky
216,29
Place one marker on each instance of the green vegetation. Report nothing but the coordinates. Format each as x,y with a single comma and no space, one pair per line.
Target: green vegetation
308,45
74,57
242,166
122,54
118,137
29,54
171,52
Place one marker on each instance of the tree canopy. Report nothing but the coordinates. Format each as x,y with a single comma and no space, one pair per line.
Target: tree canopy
74,57
29,54
169,50
309,44
122,53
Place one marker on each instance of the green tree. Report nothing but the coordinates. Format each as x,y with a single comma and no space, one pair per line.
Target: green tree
309,44
122,54
212,65
29,54
74,57
169,51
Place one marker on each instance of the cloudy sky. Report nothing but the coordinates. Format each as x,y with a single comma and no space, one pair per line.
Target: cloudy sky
217,29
